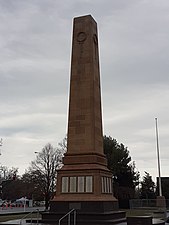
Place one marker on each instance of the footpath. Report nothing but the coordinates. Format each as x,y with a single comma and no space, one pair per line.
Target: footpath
19,210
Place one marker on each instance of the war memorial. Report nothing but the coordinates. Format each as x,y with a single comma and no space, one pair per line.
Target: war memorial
84,184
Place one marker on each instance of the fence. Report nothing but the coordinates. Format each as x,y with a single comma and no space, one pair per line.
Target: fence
145,203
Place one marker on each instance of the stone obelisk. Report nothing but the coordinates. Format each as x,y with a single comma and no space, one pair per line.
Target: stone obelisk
84,182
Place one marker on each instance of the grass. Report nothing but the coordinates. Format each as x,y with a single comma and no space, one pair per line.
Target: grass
139,212
143,212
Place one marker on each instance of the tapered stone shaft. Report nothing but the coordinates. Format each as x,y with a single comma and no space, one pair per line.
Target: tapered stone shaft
85,117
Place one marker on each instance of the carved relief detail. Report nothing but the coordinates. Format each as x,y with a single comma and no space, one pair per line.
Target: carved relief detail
81,36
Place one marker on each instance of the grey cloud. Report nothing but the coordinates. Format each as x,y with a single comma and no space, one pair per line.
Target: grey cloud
35,51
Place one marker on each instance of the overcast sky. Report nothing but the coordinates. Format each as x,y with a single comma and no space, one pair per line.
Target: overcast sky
35,51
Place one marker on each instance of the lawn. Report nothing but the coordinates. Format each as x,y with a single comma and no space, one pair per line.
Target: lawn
139,212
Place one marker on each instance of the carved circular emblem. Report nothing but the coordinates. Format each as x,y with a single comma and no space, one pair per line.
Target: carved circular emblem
81,36
95,38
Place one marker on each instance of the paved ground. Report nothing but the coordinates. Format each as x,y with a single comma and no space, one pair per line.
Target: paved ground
4,211
19,210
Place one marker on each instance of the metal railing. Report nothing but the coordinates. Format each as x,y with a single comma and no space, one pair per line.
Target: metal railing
69,217
31,219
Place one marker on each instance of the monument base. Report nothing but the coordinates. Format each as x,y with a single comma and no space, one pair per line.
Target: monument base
98,212
85,206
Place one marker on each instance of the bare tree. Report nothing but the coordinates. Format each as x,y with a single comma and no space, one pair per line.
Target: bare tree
8,173
63,145
44,171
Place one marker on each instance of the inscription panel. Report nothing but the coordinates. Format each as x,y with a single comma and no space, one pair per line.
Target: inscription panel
89,184
64,184
81,184
106,184
76,184
72,184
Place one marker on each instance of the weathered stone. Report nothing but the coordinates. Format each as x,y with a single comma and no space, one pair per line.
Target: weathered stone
85,156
